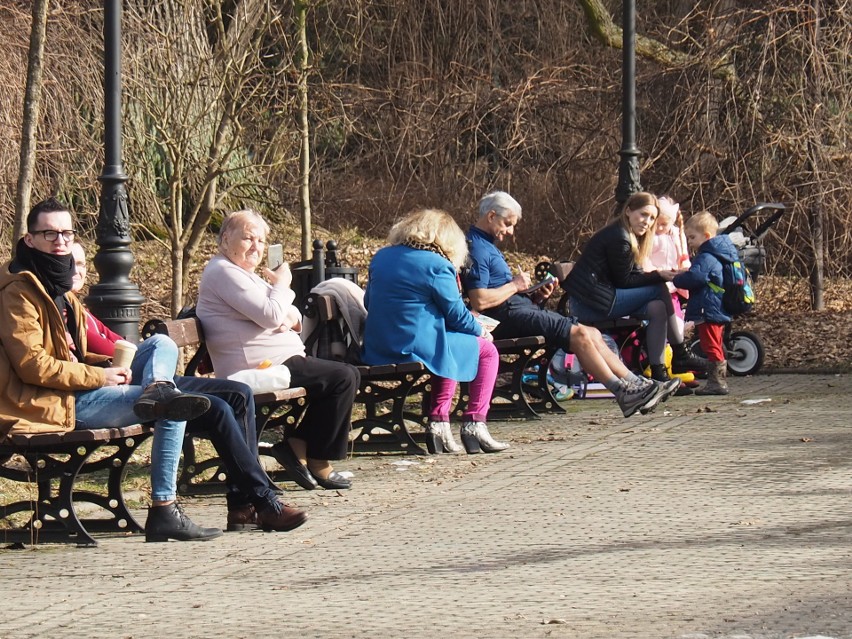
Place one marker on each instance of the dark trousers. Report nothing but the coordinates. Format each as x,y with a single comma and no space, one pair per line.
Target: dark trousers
331,388
519,316
231,426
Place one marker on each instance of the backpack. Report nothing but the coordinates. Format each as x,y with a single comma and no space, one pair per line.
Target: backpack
737,289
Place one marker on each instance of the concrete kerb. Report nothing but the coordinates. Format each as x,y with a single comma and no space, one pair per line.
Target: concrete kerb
709,518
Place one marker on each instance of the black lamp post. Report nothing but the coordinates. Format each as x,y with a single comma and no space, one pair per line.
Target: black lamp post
114,299
628,167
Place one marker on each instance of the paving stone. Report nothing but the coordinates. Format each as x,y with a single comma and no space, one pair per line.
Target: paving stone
708,519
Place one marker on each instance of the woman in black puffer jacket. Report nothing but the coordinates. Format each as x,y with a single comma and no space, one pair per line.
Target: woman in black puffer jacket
607,282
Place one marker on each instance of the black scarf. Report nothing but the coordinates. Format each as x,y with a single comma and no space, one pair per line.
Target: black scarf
55,272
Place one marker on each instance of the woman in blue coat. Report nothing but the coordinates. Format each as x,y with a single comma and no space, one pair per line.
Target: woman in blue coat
415,313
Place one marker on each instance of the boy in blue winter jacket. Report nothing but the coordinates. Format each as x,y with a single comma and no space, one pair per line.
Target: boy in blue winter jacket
705,303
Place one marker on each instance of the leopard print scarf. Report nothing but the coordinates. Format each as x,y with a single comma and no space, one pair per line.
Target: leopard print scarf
422,246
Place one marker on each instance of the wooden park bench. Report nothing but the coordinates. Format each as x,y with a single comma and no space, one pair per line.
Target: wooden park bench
390,396
56,463
395,395
275,412
515,398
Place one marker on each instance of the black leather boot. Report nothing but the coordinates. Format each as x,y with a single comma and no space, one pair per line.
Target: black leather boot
659,373
683,361
170,522
161,400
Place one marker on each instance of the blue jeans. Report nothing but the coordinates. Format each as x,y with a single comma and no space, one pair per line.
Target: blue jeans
112,407
646,302
628,301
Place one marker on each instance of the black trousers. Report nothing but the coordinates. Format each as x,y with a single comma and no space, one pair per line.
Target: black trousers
231,426
331,388
519,316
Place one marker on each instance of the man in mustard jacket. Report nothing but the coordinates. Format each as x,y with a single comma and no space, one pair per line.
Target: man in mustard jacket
49,382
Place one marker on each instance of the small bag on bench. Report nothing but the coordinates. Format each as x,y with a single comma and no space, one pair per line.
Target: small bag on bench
264,380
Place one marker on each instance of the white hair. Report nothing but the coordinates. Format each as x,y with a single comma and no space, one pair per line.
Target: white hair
501,203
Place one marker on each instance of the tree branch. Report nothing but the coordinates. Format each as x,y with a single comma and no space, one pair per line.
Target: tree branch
602,27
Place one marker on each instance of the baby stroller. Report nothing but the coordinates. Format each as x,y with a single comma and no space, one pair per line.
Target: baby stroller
744,350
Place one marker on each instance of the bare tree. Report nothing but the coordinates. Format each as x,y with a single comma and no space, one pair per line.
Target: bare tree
304,128
202,71
816,214
31,111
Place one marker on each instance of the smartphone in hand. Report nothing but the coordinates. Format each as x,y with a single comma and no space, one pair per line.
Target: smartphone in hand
274,256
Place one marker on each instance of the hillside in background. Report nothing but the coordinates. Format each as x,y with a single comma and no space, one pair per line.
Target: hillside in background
432,103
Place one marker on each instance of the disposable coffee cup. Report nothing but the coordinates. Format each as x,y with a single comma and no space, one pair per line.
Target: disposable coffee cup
124,352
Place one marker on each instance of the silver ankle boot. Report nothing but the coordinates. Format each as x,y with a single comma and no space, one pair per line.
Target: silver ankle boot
439,438
476,438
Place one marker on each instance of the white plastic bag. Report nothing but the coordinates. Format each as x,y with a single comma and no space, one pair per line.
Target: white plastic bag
264,380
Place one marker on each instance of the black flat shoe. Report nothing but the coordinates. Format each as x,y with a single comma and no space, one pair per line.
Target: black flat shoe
334,481
298,472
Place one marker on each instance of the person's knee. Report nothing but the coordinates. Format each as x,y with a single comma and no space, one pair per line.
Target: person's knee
162,347
583,338
354,375
656,309
162,342
346,378
488,352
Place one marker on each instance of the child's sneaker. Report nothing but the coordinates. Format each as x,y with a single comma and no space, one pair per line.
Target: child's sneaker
632,397
562,393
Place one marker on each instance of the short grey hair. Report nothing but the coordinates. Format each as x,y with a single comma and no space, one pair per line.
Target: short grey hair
501,203
238,220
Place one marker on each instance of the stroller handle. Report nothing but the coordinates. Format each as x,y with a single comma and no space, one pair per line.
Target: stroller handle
757,208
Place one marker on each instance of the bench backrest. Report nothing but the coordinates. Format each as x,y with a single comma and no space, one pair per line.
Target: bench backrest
185,332
188,332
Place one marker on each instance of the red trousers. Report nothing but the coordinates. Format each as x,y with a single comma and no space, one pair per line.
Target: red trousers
710,336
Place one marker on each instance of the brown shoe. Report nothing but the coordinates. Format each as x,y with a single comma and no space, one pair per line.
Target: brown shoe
281,519
244,518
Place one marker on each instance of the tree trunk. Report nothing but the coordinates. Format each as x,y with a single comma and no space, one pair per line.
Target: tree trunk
177,280
32,109
305,159
815,208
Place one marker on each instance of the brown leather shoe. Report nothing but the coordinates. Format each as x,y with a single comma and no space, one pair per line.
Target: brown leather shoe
286,518
244,518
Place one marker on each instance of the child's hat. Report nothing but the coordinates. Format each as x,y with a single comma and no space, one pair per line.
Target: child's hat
668,207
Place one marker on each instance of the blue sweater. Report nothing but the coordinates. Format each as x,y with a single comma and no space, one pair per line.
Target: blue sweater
704,303
415,313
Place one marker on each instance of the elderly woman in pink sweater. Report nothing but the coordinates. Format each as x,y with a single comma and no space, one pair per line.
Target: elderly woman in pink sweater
247,320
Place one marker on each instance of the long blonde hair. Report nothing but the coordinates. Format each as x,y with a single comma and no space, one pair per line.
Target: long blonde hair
435,227
641,246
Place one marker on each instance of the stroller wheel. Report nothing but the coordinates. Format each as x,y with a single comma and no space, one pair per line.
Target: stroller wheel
745,353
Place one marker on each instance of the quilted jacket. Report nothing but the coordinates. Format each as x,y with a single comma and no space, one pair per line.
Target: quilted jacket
606,263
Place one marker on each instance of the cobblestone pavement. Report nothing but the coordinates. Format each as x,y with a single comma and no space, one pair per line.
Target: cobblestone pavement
712,518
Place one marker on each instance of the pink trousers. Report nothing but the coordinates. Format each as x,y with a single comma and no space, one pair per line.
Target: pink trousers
481,388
